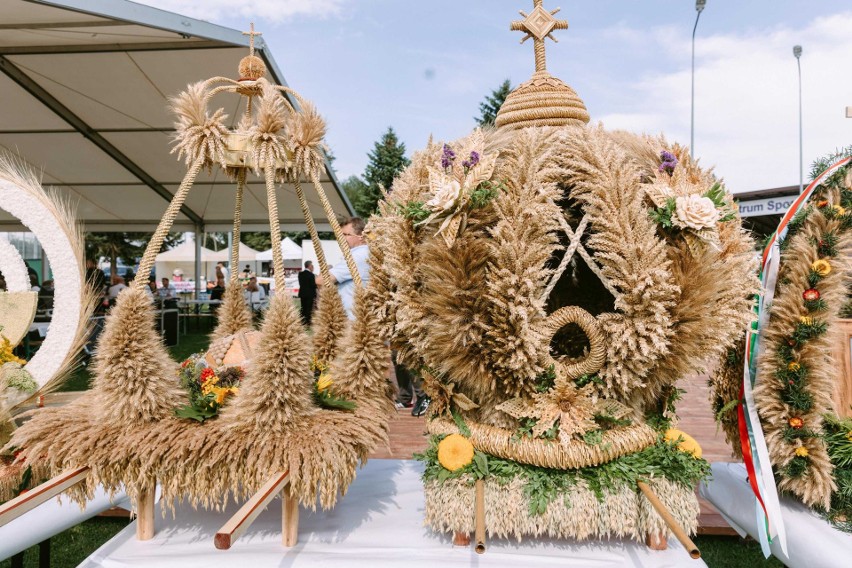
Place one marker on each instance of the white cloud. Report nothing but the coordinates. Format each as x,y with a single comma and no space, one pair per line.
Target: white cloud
271,10
746,99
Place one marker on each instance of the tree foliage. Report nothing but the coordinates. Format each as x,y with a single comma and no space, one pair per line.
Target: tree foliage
491,105
123,246
386,160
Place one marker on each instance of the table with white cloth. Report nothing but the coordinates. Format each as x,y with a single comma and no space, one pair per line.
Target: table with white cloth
378,523
811,541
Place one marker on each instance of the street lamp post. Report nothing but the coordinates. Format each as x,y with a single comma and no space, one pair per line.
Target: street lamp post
699,7
797,52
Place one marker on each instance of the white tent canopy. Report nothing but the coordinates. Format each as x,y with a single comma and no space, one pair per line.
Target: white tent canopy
185,252
246,254
85,87
289,251
333,255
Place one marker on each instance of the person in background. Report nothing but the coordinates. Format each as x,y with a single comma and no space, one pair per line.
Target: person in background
34,287
220,268
307,291
2,283
353,232
117,287
254,294
45,296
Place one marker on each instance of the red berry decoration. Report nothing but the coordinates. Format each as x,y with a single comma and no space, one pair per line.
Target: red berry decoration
811,295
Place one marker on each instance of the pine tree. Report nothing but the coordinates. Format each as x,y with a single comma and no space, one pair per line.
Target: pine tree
386,160
488,109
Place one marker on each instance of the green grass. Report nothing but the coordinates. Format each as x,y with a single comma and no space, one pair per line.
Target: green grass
71,547
74,545
733,552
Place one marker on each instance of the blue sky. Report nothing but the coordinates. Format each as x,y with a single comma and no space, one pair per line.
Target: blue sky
424,66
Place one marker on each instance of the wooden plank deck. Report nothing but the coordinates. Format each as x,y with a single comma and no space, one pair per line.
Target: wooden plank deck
407,436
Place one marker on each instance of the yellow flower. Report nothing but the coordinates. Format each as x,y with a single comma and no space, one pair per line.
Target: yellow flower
802,452
324,382
839,210
454,452
220,393
793,366
849,435
807,320
821,267
687,443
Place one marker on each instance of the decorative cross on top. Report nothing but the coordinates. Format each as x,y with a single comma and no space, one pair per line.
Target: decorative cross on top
538,25
251,35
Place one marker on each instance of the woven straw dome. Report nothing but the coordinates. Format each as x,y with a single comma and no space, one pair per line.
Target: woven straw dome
544,100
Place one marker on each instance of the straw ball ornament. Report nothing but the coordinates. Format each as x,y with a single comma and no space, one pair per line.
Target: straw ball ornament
251,68
454,452
544,100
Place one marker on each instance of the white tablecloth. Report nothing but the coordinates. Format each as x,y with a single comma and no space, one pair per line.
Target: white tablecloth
811,541
50,519
378,523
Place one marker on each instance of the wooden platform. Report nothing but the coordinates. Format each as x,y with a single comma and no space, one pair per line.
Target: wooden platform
407,436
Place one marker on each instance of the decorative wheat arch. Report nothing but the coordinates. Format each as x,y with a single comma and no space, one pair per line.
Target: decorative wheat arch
25,199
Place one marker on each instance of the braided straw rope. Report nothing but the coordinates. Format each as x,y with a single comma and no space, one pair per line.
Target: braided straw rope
166,222
274,226
544,100
335,226
312,229
547,453
587,322
238,219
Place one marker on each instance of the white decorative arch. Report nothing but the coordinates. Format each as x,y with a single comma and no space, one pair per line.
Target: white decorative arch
23,197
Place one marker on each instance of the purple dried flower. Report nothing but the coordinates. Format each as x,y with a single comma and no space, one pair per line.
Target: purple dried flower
447,157
669,161
472,161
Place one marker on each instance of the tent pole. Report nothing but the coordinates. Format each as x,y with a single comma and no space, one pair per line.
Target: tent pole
199,230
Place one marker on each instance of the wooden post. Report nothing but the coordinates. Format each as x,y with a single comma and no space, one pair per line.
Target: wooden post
145,513
289,518
479,510
31,499
673,525
657,541
242,519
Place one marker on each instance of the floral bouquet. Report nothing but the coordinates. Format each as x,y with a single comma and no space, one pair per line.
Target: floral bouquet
324,395
208,388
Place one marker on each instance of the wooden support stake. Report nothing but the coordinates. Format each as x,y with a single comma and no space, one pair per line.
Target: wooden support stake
673,525
657,541
36,496
145,513
237,525
479,506
461,539
289,518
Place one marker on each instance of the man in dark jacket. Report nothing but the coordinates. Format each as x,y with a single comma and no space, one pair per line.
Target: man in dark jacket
307,291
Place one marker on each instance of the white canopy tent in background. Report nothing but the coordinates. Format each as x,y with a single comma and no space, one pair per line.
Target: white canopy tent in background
85,87
333,255
248,256
291,252
182,258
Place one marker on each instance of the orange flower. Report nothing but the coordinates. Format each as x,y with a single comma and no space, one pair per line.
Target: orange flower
811,295
796,422
802,452
821,267
454,452
823,203
793,367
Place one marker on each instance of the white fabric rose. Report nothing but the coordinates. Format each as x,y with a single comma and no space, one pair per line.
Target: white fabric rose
445,197
695,212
